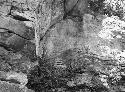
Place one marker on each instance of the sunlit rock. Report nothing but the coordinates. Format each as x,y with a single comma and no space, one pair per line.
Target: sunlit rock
22,78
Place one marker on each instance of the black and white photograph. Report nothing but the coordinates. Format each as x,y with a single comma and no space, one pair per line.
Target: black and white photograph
62,45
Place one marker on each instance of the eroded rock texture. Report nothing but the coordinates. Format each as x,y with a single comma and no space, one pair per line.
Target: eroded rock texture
82,51
8,87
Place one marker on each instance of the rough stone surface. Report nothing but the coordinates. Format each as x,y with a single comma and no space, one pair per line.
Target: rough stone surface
69,34
9,87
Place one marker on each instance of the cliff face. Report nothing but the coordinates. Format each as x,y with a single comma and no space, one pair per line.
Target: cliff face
8,87
80,49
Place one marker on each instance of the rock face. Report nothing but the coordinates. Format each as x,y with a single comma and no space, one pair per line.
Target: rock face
18,41
13,82
8,87
69,46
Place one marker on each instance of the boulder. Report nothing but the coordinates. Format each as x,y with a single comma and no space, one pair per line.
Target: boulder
21,33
